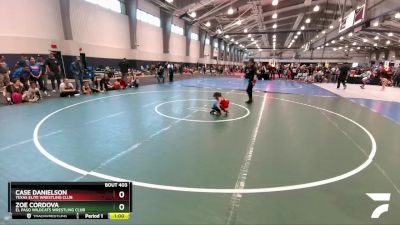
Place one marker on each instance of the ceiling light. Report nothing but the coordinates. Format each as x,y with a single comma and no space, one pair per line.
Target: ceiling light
170,1
334,49
354,43
365,40
390,34
376,38
274,26
397,15
252,39
298,32
341,38
208,24
274,16
331,27
274,36
239,22
219,31
317,36
327,44
249,35
333,41
323,32
351,34
318,48
259,50
275,2
375,44
226,36
245,30
358,48
193,14
230,11
232,40
351,49
388,42
236,42
340,47
302,27
295,37
345,50
316,8
308,20
346,46
376,24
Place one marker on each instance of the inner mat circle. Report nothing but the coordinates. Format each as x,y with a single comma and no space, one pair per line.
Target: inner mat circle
202,106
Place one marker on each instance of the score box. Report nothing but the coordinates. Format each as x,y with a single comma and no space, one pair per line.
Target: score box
69,200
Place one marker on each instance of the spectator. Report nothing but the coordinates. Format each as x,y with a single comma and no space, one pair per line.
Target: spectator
36,74
396,79
44,76
53,70
67,89
15,92
76,69
22,62
344,71
93,88
366,76
133,81
4,73
160,74
124,68
96,83
33,93
122,83
105,83
24,76
171,72
86,89
119,84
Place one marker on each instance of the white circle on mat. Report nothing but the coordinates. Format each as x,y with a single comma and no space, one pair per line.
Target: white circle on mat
157,109
83,172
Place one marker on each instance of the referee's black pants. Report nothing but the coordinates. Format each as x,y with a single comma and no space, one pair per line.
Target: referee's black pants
249,91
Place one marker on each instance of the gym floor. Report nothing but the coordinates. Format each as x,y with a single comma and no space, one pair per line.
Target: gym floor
299,154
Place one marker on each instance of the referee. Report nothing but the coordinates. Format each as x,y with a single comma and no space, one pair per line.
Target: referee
250,74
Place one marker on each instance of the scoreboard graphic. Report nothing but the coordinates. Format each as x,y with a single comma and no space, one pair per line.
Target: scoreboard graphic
70,200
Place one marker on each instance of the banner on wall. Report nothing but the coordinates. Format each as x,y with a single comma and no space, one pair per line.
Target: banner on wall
353,18
359,14
347,22
396,63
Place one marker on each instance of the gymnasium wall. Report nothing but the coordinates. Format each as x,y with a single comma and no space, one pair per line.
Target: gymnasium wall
177,45
30,27
195,49
150,41
94,25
